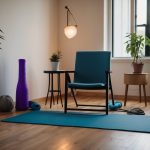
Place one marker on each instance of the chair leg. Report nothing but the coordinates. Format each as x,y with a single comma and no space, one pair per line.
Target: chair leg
106,101
112,95
66,94
74,97
107,89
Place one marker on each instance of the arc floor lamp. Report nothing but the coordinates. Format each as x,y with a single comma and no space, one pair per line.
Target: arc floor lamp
70,30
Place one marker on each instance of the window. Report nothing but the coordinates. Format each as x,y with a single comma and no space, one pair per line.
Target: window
129,16
121,13
141,17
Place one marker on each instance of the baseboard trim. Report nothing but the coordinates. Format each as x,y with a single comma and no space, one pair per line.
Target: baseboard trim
131,97
39,99
96,94
102,95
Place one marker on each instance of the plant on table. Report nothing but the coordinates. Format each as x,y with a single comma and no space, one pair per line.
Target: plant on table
135,46
55,58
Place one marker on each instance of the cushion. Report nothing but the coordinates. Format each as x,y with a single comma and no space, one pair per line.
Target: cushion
86,85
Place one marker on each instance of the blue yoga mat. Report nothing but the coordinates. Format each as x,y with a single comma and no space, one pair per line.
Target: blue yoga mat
135,123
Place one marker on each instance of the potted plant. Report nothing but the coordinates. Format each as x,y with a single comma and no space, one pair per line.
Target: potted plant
55,58
1,36
135,46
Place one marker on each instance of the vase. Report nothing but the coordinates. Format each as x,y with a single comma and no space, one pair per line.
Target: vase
55,65
21,90
138,67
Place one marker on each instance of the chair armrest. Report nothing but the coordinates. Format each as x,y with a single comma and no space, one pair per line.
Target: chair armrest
67,76
108,71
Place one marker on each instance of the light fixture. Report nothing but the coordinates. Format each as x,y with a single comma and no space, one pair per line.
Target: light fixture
70,30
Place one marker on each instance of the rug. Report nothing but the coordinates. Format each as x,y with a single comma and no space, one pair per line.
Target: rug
134,123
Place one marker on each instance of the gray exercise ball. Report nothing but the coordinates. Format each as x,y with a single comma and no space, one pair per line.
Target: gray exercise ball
6,103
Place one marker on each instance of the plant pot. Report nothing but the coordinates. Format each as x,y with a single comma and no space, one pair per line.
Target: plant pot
138,67
55,65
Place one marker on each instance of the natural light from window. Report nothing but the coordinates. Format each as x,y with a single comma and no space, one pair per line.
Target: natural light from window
122,23
141,18
122,26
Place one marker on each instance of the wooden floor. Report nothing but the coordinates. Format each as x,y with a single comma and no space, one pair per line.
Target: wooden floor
43,137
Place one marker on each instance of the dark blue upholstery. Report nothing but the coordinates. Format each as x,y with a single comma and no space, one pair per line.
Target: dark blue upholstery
90,70
86,86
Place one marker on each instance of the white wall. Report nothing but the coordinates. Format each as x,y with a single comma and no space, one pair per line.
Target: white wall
89,16
30,28
121,66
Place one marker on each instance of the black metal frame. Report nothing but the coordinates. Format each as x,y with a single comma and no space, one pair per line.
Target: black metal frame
142,25
69,12
108,86
136,25
51,87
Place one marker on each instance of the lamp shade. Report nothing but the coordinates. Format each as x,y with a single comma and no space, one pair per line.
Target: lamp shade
70,31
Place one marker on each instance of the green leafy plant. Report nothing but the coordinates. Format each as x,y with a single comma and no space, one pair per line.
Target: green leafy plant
56,57
1,36
135,46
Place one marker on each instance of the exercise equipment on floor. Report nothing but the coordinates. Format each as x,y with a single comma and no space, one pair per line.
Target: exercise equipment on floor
6,103
34,105
116,106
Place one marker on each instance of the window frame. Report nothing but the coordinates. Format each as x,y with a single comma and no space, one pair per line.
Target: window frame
135,26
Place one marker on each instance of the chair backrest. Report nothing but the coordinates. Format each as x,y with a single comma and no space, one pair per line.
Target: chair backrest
90,66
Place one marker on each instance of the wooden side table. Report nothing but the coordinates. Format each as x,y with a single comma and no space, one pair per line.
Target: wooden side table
135,79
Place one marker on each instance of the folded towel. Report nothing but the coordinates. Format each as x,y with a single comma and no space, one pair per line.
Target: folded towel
34,105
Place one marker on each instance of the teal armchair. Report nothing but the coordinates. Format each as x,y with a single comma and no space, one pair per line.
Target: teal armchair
92,72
